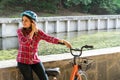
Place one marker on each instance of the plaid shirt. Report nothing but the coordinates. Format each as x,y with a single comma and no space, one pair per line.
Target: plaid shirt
28,48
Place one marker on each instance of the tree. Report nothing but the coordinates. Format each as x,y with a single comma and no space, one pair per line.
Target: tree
103,7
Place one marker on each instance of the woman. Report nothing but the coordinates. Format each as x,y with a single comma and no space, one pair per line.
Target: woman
29,36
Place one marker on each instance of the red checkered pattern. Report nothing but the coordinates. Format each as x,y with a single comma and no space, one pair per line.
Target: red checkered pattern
28,48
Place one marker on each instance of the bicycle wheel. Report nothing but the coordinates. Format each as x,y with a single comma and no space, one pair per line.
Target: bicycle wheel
83,76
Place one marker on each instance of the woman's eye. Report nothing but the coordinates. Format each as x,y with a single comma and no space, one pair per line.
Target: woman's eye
24,21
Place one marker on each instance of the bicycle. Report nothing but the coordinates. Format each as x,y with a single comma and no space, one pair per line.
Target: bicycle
77,71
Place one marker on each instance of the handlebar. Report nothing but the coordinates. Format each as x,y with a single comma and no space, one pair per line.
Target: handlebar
88,46
76,49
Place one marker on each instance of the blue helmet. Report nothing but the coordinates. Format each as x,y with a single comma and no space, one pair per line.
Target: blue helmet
31,14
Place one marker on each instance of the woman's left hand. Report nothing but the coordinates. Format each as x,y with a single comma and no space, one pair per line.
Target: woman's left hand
67,44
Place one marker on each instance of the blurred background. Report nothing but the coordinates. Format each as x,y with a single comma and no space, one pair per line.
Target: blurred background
12,8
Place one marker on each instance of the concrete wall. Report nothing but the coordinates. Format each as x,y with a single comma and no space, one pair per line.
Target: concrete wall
8,26
106,65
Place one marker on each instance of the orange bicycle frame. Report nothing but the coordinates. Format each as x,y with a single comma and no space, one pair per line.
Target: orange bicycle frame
75,73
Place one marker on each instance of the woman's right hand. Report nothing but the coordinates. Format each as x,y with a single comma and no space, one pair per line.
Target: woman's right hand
34,27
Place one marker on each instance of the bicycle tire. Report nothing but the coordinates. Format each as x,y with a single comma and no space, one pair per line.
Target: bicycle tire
83,75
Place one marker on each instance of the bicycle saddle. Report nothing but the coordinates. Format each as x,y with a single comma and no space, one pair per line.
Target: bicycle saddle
53,71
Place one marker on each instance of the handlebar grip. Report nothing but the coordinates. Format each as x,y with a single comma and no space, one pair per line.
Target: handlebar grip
61,43
88,46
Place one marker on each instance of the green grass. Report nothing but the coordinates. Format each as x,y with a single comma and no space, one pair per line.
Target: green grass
98,40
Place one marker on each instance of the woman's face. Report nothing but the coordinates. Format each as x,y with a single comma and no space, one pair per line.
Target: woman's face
26,22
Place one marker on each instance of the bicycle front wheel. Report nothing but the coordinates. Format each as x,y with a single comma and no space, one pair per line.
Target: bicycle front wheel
83,76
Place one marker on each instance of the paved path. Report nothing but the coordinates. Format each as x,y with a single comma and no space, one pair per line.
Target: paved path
47,58
85,54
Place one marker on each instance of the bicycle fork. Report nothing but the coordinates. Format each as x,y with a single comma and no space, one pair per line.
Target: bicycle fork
75,73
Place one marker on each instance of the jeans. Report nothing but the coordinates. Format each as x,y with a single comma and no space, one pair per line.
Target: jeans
26,70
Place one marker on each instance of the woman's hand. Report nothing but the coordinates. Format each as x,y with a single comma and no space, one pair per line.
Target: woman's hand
34,27
66,43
